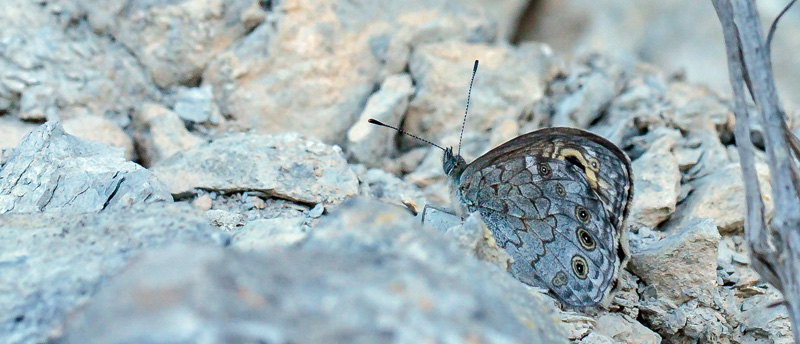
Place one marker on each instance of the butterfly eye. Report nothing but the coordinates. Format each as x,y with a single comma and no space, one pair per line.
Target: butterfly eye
544,170
580,267
585,239
560,190
594,165
582,214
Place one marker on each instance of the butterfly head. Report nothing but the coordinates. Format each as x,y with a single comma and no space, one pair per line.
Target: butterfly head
453,164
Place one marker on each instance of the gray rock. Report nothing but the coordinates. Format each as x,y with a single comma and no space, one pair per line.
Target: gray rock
175,40
625,330
682,266
312,69
442,72
657,180
367,275
52,171
100,129
369,143
585,92
160,133
388,188
764,321
286,166
54,67
270,234
197,105
720,195
13,131
52,264
226,220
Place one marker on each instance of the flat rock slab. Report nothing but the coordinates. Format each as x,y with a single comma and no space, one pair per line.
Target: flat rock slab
52,171
396,283
286,166
52,264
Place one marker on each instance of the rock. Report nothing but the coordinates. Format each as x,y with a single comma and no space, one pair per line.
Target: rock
442,71
683,265
97,128
720,195
392,280
225,220
197,105
475,237
314,67
388,188
584,92
53,263
202,202
625,330
54,67
369,143
763,321
13,131
160,133
270,234
52,171
175,41
285,166
657,181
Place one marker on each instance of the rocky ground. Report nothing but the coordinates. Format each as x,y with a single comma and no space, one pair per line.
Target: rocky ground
202,171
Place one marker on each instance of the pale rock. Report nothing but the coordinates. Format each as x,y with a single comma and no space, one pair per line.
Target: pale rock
196,104
683,265
442,72
202,202
720,196
286,166
386,187
314,67
368,143
161,133
226,220
53,264
52,171
175,40
657,180
13,131
625,330
475,237
763,321
268,234
100,129
365,275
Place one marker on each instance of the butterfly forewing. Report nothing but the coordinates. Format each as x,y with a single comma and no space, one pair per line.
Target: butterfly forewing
555,199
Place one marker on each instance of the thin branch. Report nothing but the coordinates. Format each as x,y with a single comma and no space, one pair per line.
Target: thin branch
774,26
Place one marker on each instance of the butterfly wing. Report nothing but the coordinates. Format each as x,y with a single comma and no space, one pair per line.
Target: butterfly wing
556,200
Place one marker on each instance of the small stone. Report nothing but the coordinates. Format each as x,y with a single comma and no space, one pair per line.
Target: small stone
316,211
202,202
625,330
258,203
657,181
197,105
160,133
224,219
285,166
683,265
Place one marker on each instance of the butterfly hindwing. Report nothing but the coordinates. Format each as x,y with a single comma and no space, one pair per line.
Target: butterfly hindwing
555,199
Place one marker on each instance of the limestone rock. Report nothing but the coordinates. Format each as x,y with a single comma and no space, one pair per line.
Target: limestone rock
392,281
683,265
369,143
160,133
286,166
656,183
720,195
52,171
197,105
54,67
626,330
100,129
269,234
175,40
314,67
442,72
53,263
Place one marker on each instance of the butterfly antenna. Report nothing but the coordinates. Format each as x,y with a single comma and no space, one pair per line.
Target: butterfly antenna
379,123
466,111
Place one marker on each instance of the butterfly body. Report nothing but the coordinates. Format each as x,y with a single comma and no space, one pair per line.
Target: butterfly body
555,199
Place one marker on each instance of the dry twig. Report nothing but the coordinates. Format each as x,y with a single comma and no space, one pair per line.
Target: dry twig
775,249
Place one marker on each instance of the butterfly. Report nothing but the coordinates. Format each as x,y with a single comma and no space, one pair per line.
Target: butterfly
556,200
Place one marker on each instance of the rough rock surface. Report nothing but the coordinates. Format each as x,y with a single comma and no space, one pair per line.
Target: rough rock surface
286,166
175,40
353,281
52,171
160,133
53,263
